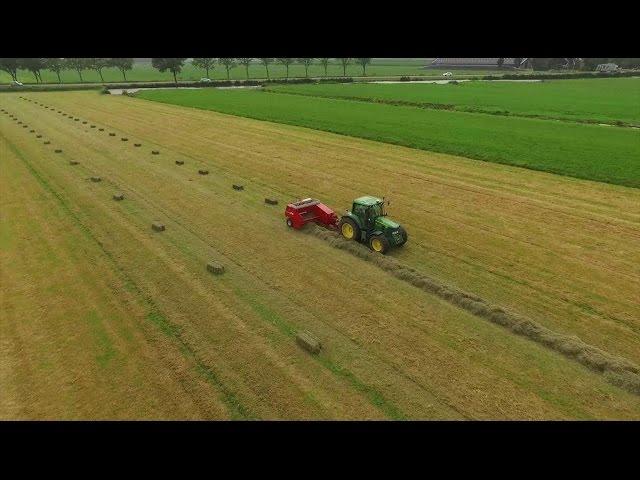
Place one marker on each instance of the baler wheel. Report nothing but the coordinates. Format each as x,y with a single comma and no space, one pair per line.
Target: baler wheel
289,223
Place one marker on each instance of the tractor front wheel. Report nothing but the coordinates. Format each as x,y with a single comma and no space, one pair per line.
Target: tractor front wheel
379,243
349,229
403,234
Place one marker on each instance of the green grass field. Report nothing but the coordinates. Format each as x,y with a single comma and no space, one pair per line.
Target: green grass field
605,100
144,72
606,154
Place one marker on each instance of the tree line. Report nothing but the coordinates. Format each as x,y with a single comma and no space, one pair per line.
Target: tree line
172,65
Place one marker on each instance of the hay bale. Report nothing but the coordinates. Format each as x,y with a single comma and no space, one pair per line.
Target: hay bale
84,123
215,268
73,162
25,126
96,179
238,187
118,196
158,227
47,142
57,150
101,129
124,139
76,119
155,152
203,172
19,123
137,144
179,162
38,136
308,342
270,201
112,134
92,126
32,131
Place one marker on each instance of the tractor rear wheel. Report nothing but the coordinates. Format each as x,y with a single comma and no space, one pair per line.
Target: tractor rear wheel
379,243
349,229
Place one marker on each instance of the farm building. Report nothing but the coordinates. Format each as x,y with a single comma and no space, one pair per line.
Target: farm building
481,63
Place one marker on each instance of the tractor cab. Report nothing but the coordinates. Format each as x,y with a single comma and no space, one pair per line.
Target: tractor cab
367,222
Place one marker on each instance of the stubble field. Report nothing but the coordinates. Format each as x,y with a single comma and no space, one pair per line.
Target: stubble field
103,318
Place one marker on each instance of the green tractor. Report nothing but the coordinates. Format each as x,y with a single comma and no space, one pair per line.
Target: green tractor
367,223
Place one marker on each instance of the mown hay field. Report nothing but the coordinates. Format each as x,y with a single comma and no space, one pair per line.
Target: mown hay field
592,152
607,100
103,317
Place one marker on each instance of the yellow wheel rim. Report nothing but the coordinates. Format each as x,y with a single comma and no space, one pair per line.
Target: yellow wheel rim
347,230
376,244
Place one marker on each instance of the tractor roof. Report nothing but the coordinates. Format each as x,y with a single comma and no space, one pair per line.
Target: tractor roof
367,200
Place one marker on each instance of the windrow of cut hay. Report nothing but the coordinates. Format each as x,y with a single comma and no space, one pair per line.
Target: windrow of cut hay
617,370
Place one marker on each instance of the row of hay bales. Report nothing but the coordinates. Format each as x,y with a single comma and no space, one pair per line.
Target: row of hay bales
304,339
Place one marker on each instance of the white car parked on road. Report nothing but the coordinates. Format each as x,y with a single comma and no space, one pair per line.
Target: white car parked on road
205,80
447,74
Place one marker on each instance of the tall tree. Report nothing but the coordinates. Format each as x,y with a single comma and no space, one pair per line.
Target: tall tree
306,62
10,65
286,62
344,62
228,63
205,64
56,65
174,65
246,62
122,64
324,62
266,62
363,63
34,65
98,64
78,64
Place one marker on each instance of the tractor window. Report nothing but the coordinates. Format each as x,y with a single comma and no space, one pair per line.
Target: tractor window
375,211
359,210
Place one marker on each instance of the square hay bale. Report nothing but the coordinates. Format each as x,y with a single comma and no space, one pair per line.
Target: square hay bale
38,136
19,123
73,162
101,129
124,139
155,152
238,187
118,196
112,134
179,162
158,227
96,179
57,150
137,144
270,201
308,342
25,126
215,268
84,123
32,131
76,119
203,172
92,126
47,142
